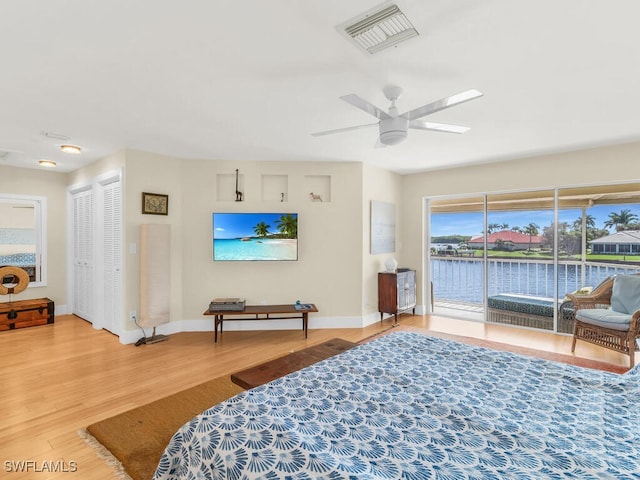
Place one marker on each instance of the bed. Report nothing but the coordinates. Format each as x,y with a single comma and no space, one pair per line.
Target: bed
410,406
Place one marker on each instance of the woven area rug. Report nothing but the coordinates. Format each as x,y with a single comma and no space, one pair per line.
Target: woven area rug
138,437
133,442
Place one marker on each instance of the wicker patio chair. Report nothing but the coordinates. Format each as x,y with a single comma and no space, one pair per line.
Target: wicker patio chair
610,315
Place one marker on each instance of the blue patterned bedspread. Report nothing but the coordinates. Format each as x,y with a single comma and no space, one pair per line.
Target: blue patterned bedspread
410,406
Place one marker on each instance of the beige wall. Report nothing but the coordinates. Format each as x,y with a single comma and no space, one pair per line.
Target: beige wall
87,175
335,268
615,164
51,185
383,186
151,173
329,267
328,272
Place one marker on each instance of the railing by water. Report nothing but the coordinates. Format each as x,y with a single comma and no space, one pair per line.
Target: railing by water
459,279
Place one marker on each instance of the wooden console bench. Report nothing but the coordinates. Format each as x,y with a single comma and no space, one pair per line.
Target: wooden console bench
262,312
265,372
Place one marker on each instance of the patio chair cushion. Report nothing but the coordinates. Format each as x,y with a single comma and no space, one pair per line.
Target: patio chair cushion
625,297
602,317
522,304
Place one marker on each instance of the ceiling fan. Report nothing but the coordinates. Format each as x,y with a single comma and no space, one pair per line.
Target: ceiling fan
393,127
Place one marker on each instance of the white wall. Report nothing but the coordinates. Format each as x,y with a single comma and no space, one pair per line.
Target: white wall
614,164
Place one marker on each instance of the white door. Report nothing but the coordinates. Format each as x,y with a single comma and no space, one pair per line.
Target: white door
112,267
82,253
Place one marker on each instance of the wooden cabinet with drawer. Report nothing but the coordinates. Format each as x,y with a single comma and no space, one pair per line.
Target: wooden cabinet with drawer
397,292
26,313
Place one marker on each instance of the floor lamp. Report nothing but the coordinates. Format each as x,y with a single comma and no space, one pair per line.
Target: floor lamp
155,279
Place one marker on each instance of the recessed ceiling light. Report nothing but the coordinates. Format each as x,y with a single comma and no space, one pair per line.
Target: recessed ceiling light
70,149
47,163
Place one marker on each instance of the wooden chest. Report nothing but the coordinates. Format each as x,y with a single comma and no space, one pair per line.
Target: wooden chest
26,313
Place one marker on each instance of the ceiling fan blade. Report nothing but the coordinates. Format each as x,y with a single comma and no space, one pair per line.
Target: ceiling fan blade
362,104
438,127
441,104
345,129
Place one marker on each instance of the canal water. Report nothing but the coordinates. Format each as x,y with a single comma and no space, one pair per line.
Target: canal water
462,280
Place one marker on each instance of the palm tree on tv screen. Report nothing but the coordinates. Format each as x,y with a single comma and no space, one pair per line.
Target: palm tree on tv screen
288,226
262,229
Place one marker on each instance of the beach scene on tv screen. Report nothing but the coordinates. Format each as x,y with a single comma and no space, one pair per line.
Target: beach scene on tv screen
255,236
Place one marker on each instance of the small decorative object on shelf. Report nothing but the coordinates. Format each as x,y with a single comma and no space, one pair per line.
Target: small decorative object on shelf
391,265
303,306
155,203
315,197
13,280
238,192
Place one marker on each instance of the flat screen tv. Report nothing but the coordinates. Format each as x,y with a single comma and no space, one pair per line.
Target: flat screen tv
255,236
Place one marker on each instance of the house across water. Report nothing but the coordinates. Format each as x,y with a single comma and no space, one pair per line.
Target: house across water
624,242
508,240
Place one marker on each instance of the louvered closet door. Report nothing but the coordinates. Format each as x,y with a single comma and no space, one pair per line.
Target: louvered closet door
112,256
83,254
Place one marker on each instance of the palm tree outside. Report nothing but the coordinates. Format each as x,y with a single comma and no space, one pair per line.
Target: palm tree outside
621,221
532,230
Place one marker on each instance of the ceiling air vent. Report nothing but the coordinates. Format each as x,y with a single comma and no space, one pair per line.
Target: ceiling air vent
379,29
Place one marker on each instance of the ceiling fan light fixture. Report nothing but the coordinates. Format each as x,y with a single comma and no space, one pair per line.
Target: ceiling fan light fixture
378,29
393,137
74,149
47,163
393,130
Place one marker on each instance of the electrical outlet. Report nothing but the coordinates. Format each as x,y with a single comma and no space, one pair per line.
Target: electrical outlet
132,315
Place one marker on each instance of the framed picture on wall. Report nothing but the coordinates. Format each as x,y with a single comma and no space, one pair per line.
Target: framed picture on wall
383,227
155,203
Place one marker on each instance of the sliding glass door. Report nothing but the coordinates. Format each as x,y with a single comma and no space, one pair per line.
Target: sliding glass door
511,258
598,236
457,264
520,265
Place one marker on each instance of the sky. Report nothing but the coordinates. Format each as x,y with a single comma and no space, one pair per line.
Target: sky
235,225
471,223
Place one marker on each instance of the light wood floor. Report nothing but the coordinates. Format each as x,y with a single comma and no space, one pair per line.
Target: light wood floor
58,379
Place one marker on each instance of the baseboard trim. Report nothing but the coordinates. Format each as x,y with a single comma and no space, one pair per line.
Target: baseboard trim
206,325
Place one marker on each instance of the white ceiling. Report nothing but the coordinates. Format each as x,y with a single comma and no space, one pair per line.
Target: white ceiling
251,79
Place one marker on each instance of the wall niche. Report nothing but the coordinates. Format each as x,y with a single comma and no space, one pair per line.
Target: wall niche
318,188
275,188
